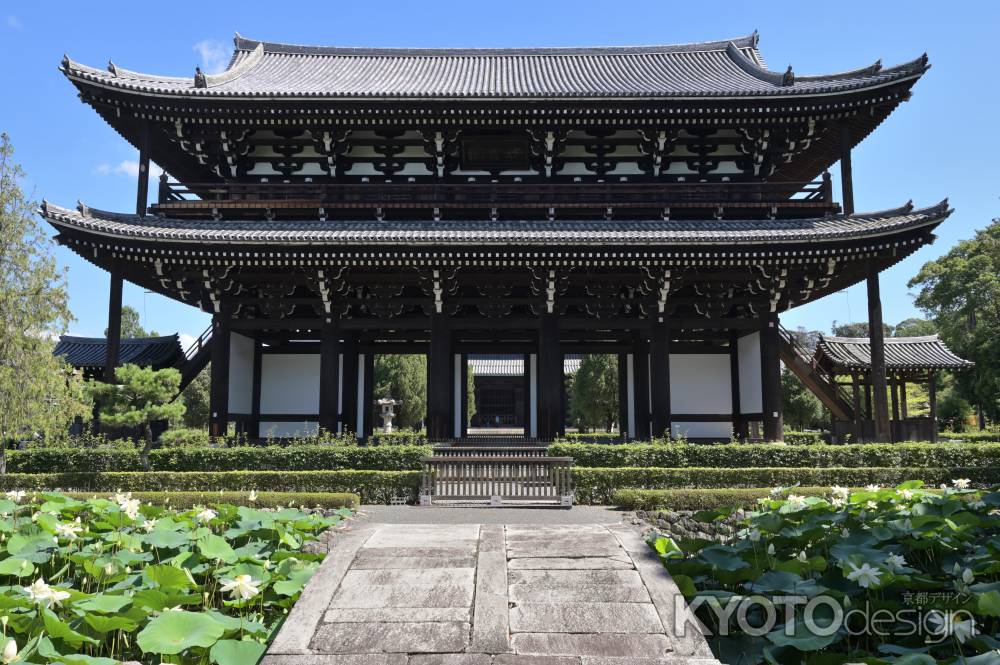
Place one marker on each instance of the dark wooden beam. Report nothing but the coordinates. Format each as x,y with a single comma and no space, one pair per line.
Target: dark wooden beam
219,387
846,171
659,378
114,324
439,379
142,188
551,420
876,337
770,378
329,377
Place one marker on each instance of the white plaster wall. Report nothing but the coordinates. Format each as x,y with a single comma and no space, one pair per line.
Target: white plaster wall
700,383
289,383
748,347
290,430
240,373
702,430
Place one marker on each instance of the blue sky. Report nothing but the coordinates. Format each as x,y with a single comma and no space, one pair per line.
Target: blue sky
941,144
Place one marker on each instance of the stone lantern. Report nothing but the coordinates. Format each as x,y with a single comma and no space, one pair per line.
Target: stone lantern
386,406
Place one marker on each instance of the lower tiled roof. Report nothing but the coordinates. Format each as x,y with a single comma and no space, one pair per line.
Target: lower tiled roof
562,232
498,364
900,353
90,352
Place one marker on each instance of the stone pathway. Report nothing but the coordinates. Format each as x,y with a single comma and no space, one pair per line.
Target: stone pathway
487,594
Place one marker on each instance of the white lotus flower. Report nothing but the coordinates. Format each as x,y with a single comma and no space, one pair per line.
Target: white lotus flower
906,494
841,492
796,501
148,525
961,483
895,561
243,587
68,531
865,575
252,497
838,502
16,495
770,549
775,491
9,652
802,556
872,505
873,487
206,515
43,594
951,624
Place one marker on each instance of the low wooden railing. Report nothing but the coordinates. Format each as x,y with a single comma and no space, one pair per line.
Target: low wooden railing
497,480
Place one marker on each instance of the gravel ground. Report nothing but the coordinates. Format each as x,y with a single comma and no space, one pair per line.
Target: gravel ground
467,515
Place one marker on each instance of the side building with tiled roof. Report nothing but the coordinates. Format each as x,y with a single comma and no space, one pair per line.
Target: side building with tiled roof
660,203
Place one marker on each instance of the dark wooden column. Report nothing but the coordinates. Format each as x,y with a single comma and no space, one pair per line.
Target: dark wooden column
142,190
464,395
902,398
530,405
623,409
349,399
876,337
868,401
640,379
859,416
740,424
329,377
258,363
894,396
770,379
439,379
368,412
550,379
846,171
932,399
113,346
218,397
659,378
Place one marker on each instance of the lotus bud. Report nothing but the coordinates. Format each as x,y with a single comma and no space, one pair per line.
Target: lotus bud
770,549
10,651
4,619
802,556
205,597
967,576
128,570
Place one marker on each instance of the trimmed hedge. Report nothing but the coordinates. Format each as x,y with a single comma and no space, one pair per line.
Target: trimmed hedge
793,438
182,500
699,499
371,486
970,437
745,456
593,486
246,458
598,486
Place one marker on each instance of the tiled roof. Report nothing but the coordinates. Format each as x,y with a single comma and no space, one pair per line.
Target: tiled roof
89,352
562,232
900,353
727,68
496,364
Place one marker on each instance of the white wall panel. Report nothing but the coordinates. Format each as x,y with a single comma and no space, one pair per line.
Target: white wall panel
240,373
270,429
700,383
750,392
722,431
289,383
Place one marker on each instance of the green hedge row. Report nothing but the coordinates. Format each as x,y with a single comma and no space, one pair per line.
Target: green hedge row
182,500
971,437
593,486
598,486
742,456
371,486
699,499
793,438
247,458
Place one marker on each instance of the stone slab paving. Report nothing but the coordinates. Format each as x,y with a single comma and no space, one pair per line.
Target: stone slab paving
487,594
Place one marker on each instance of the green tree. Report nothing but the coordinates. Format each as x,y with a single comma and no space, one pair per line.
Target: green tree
142,397
403,377
801,408
132,325
594,396
914,327
196,399
961,292
39,393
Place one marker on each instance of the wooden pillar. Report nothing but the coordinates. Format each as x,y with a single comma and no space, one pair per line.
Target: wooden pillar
877,342
868,400
349,385
114,342
894,396
770,378
932,398
368,396
640,385
551,420
623,396
531,395
258,363
846,172
740,429
218,398
329,377
659,378
902,398
142,188
439,380
464,395
859,416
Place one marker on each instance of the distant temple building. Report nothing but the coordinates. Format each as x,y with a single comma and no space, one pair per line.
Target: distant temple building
664,204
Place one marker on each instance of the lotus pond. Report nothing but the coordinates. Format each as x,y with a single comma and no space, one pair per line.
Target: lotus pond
103,580
899,575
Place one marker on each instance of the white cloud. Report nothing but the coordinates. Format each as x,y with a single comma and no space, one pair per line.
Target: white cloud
214,56
126,167
186,340
14,23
